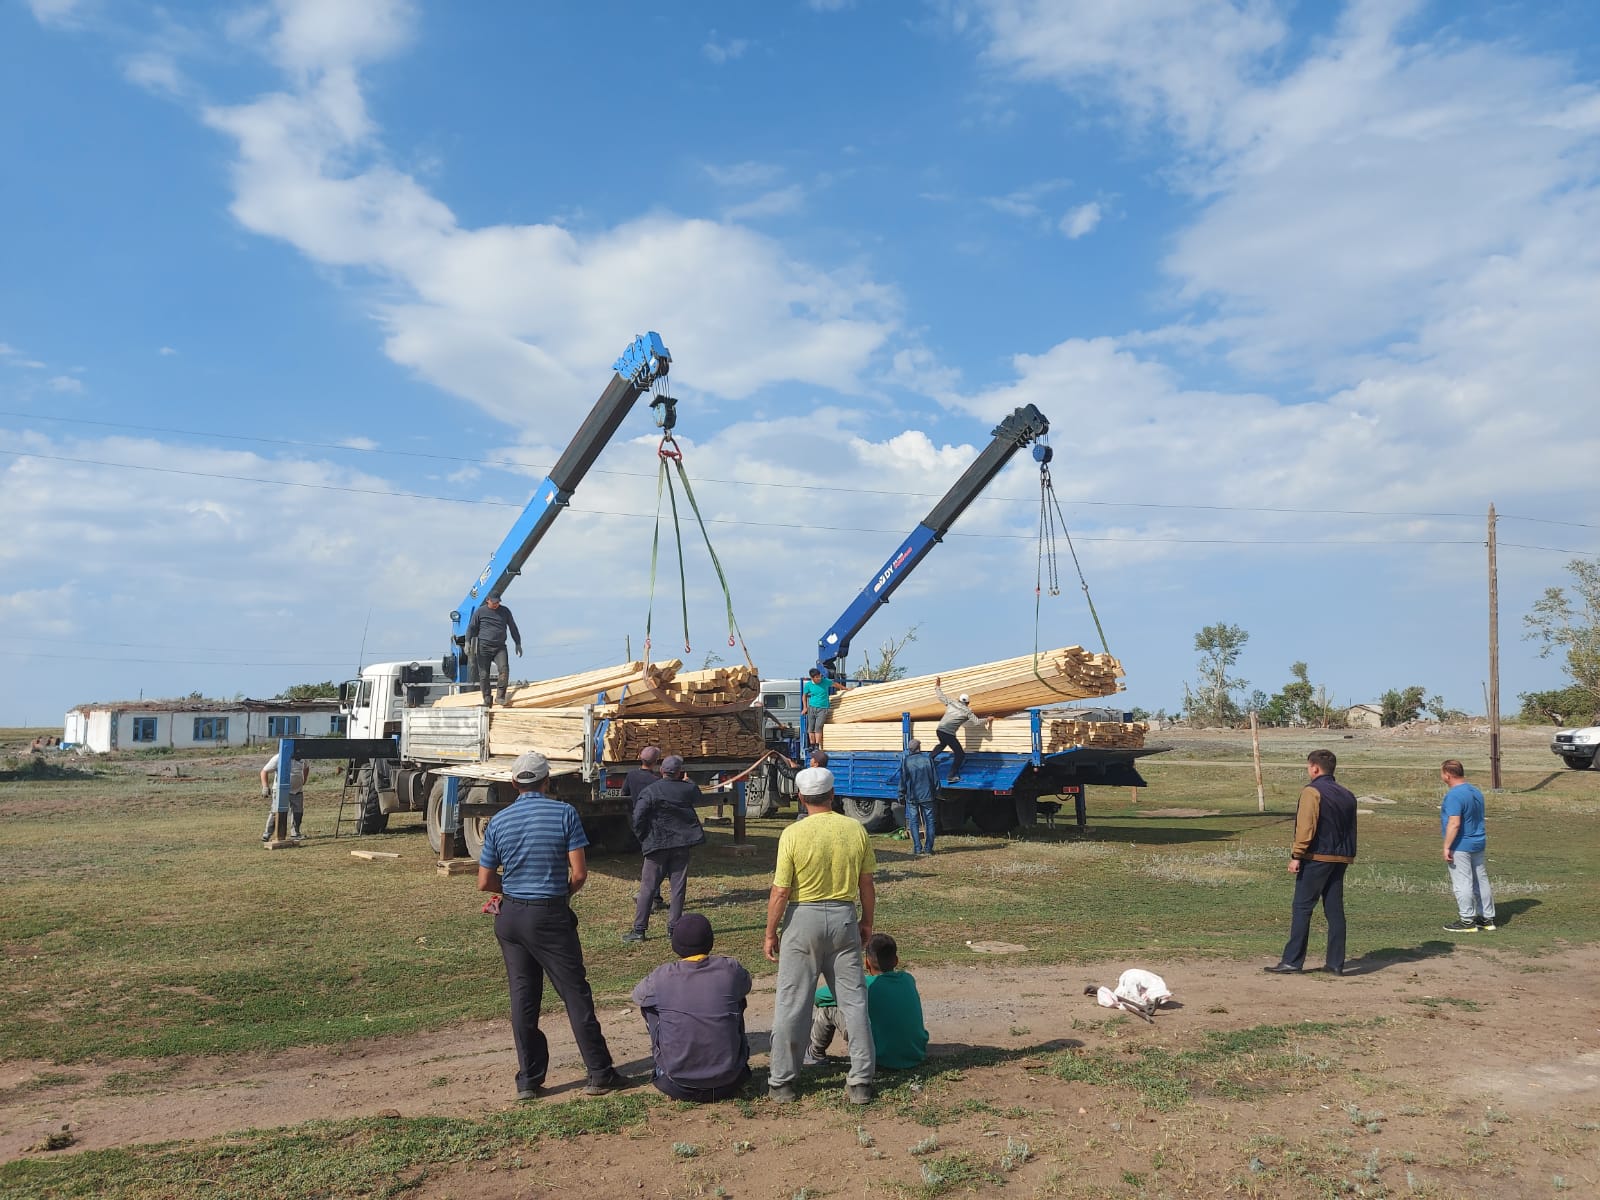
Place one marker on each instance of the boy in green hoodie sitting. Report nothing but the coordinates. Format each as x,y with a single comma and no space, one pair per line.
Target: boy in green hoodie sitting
893,1005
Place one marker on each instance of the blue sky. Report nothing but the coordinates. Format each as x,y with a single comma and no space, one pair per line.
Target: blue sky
1302,288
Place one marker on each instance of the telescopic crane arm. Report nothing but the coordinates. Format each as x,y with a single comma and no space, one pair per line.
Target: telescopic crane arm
1023,427
643,364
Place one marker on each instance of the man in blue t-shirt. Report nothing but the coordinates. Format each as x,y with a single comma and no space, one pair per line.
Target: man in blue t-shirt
1465,842
533,855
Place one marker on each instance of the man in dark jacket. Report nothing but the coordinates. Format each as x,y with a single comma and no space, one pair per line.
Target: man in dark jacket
667,826
1324,846
490,624
919,790
647,772
694,1009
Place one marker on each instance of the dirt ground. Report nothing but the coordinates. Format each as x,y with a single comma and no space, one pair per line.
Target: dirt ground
1468,1072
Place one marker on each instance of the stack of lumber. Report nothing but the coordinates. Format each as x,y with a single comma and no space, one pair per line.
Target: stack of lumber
1011,735
583,688
1109,735
994,689
557,733
661,689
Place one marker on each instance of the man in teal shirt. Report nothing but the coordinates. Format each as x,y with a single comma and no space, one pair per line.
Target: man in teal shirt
1466,840
816,702
893,1006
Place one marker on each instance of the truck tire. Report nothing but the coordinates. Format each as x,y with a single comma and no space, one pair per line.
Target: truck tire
761,793
437,840
370,818
611,835
876,816
1576,763
472,827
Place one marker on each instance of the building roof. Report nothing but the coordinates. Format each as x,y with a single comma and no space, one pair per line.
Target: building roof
210,706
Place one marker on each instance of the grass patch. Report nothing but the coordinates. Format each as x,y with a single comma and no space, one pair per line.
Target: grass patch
375,1157
1236,1064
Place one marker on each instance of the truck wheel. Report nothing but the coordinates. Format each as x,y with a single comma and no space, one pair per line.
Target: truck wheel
435,820
761,794
998,815
875,815
950,815
371,818
611,835
1576,763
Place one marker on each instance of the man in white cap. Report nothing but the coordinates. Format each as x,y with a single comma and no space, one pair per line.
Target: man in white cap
956,716
825,866
533,855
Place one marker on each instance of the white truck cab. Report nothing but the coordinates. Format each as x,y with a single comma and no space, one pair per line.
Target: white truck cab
1577,747
373,703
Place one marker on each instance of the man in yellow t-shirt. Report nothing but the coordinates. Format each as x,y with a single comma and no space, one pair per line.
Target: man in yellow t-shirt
824,866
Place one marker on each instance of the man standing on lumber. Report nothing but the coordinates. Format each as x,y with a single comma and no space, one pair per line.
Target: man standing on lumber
490,624
668,828
1324,847
956,717
533,855
919,790
825,864
816,702
646,773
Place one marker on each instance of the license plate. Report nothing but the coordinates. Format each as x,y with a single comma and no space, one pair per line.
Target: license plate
611,793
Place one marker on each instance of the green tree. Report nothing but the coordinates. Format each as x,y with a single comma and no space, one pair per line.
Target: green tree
1568,620
1401,706
887,667
1564,706
1211,700
326,690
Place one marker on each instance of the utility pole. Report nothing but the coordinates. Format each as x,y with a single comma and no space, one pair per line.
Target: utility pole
1494,660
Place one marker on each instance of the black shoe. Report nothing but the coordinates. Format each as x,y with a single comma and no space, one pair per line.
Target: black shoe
1461,927
1334,970
1281,969
530,1093
782,1093
612,1081
501,698
658,905
1486,925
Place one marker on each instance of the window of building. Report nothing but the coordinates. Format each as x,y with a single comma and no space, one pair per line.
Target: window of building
144,729
336,725
283,727
211,729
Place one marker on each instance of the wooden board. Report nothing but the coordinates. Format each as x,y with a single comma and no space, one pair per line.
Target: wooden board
994,689
1110,735
584,688
558,734
372,855
1013,735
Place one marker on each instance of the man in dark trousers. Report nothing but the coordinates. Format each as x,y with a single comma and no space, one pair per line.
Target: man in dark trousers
490,624
668,828
647,772
694,1008
533,855
1324,845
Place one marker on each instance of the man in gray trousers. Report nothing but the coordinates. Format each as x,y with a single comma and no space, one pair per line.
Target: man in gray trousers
825,866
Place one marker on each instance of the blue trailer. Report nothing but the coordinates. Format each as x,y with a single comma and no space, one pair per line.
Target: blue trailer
999,790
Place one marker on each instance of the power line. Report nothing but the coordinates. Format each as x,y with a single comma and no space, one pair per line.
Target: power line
1288,510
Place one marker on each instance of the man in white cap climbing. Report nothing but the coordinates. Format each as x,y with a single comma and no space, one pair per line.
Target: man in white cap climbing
533,855
825,866
957,715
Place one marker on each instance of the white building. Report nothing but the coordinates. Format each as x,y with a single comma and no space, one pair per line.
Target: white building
1364,716
180,724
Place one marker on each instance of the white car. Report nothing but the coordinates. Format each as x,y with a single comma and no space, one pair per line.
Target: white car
1577,747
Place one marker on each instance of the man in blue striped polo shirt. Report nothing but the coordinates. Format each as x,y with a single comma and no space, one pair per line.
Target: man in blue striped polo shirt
533,855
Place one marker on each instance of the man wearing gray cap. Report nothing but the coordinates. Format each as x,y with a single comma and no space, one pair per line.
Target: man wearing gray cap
919,791
668,828
533,855
825,865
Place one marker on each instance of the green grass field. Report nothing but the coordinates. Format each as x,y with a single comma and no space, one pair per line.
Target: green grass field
143,917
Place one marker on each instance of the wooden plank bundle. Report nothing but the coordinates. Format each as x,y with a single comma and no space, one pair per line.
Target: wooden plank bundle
1012,735
1110,735
993,689
583,688
719,690
557,733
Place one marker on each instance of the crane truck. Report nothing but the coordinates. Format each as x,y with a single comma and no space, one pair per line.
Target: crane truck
407,753
998,790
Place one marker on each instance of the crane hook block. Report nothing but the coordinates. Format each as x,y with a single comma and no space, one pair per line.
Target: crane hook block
644,361
1043,452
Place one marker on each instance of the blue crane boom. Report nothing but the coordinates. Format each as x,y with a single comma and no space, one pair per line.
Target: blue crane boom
1024,426
641,365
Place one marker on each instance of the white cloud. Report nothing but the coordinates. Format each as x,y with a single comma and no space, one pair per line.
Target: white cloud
776,203
155,71
745,174
64,383
315,35
57,12
1081,220
725,51
166,351
1027,202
